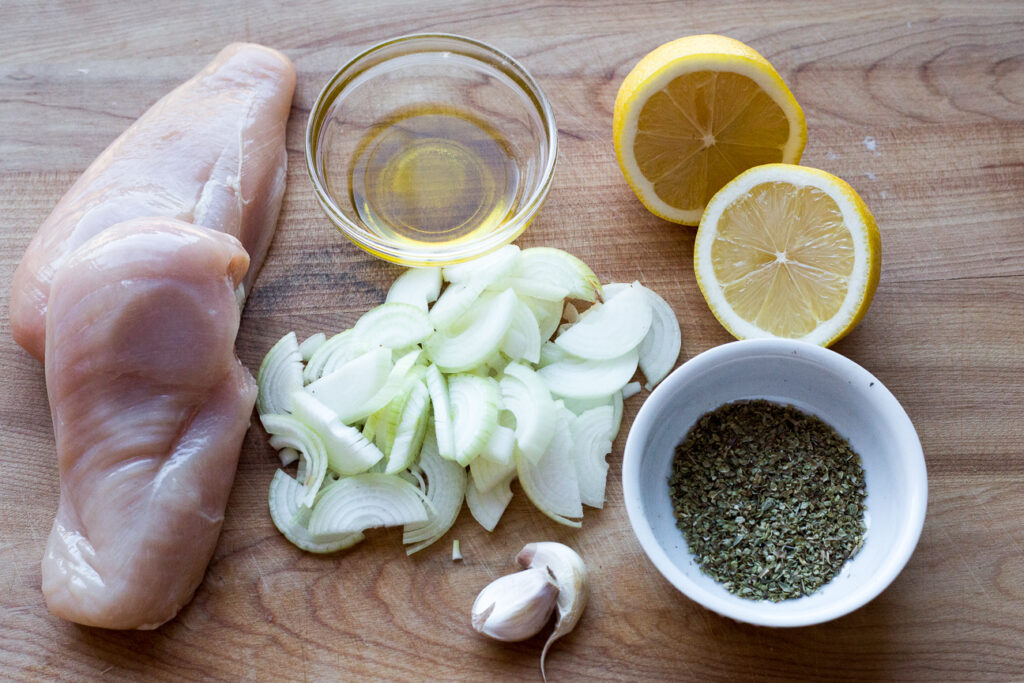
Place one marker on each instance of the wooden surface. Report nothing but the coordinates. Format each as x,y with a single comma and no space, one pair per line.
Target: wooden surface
919,105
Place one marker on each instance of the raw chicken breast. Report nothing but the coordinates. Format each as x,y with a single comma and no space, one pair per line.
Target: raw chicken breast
211,152
150,405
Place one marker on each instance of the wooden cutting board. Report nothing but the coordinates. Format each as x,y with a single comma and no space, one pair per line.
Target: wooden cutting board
919,105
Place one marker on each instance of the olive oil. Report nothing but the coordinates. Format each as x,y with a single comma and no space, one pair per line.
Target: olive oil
433,174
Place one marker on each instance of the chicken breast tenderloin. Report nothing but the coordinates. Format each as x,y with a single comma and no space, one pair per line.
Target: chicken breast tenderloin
211,152
150,406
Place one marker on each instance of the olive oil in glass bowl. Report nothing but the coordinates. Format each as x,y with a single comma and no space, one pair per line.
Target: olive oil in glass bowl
431,149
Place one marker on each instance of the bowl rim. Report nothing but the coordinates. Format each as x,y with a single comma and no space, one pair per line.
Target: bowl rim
760,612
511,228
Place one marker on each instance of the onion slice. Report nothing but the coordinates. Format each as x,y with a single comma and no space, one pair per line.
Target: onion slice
528,399
279,376
289,432
337,351
487,507
547,313
477,335
551,483
313,342
411,428
474,403
659,349
445,487
348,451
487,471
577,378
394,384
486,269
291,518
416,287
522,341
367,501
592,434
347,389
557,269
609,330
394,326
442,409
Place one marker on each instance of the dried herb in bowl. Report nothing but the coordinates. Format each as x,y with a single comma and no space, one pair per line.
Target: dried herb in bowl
769,499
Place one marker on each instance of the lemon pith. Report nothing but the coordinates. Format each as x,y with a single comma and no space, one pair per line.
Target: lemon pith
788,251
696,112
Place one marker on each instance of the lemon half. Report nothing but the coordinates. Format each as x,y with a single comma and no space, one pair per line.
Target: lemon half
695,113
788,251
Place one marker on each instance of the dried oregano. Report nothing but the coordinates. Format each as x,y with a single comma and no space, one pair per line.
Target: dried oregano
769,499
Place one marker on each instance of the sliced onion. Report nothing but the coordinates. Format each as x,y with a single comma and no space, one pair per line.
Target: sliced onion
631,390
528,399
613,289
348,451
389,417
609,330
474,402
445,488
486,269
502,445
396,380
412,426
550,352
442,409
547,313
659,350
536,289
394,326
291,518
476,336
347,389
488,472
289,432
557,268
574,378
551,483
287,455
592,434
416,287
580,405
488,507
313,342
337,350
456,300
367,501
522,341
471,278
280,374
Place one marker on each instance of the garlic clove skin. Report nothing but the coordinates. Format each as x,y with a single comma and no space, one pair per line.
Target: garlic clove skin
569,572
515,607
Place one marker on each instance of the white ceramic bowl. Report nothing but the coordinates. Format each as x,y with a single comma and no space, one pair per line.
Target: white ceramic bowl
817,381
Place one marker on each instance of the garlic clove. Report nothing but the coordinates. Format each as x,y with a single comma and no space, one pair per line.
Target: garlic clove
517,606
570,574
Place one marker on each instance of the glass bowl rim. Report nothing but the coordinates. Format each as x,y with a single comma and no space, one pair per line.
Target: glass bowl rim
511,228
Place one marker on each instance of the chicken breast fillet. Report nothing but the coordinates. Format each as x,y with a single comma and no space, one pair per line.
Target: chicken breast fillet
150,406
211,153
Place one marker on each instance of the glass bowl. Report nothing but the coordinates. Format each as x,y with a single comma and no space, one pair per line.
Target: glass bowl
488,182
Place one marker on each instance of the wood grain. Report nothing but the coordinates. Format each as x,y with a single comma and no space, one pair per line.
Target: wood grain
919,105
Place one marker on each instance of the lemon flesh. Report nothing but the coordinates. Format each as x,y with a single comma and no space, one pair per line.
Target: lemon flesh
788,251
701,131
694,114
